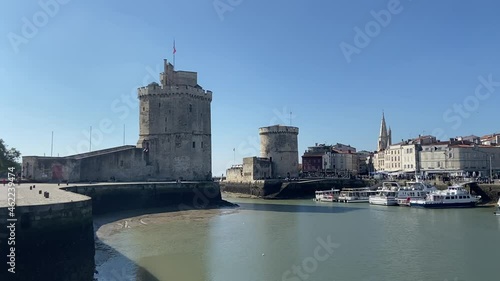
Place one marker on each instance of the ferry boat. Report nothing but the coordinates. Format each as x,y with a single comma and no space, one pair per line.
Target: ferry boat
386,194
498,208
356,195
455,196
327,195
413,191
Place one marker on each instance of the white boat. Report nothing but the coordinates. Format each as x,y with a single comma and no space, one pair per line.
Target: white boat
356,195
455,196
386,194
413,191
498,208
327,195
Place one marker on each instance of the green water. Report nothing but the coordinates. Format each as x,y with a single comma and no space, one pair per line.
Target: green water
285,240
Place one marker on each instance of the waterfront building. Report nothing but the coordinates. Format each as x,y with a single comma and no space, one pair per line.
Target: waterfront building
460,159
174,139
338,159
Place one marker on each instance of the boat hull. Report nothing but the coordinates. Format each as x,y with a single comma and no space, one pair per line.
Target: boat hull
439,205
383,202
353,200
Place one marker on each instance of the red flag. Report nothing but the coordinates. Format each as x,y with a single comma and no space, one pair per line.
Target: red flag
174,48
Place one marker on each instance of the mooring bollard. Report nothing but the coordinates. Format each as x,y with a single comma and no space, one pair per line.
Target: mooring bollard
31,188
39,192
46,194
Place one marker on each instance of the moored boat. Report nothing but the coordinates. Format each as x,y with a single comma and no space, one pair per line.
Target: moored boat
327,195
386,194
413,191
455,196
355,195
498,208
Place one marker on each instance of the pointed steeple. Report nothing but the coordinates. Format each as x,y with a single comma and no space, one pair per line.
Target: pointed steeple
383,136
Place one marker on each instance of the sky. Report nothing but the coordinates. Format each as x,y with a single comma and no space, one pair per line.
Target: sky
430,66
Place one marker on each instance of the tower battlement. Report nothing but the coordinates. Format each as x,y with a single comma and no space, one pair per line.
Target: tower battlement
279,129
154,89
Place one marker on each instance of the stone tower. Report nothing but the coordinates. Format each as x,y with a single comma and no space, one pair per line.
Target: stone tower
279,144
384,138
175,126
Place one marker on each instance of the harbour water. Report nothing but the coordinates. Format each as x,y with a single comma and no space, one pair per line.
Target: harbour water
301,240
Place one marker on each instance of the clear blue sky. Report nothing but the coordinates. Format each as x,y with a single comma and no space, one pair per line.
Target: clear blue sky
262,59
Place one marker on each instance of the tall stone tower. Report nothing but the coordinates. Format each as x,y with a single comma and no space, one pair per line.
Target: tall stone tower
384,138
279,143
175,126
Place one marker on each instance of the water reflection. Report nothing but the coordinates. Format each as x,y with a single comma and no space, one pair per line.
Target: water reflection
264,239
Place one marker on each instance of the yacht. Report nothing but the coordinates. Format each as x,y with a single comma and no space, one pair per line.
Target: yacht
498,208
413,191
455,196
386,194
355,195
327,195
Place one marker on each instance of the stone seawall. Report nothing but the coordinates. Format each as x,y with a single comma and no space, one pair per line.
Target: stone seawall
278,189
54,235
128,196
52,242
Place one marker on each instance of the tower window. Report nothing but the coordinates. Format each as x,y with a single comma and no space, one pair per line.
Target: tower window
165,129
159,104
201,144
190,108
194,144
143,108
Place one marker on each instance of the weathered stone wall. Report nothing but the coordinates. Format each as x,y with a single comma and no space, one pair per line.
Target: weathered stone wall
262,168
279,143
175,125
126,165
235,174
51,169
294,189
52,242
119,197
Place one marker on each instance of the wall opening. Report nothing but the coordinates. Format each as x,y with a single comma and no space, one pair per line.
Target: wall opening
194,144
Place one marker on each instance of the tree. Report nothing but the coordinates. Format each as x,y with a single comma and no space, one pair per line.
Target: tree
9,158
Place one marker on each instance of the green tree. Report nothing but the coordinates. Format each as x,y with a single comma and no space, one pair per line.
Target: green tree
9,158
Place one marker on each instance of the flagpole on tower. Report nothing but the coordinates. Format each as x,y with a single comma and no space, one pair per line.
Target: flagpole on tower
174,51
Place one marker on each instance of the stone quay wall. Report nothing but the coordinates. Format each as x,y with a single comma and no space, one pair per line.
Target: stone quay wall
278,189
52,242
128,196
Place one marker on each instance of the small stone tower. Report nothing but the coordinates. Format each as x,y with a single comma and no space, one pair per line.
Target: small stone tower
175,126
279,144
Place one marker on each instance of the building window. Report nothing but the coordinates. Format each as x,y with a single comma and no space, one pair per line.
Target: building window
165,129
143,108
201,144
121,163
159,104
190,108
194,144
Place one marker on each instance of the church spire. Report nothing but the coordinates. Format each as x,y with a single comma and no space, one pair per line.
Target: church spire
384,137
